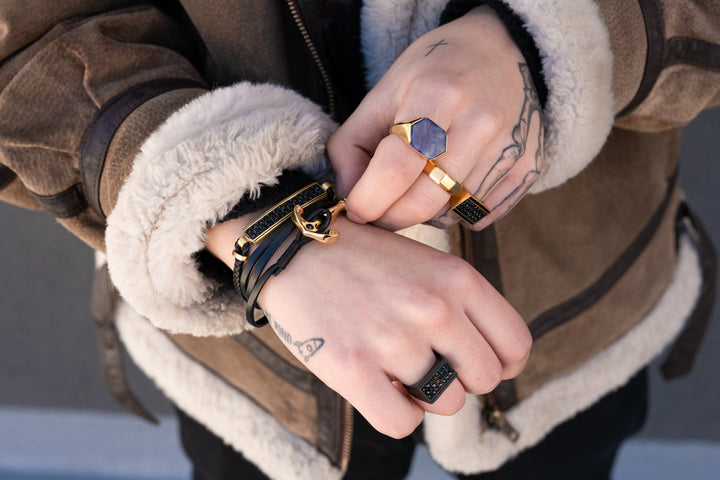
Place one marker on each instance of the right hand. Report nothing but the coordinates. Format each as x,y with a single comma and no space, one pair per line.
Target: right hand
382,305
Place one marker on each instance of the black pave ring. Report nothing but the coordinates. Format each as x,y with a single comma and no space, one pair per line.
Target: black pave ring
434,383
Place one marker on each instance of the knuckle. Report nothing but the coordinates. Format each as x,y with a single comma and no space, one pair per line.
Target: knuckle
438,312
452,94
457,273
399,169
360,209
490,121
488,379
454,404
351,359
518,354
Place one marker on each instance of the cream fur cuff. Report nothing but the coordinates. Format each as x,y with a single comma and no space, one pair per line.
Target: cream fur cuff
190,173
577,67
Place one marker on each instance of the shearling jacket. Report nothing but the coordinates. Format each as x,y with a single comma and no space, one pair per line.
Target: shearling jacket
137,124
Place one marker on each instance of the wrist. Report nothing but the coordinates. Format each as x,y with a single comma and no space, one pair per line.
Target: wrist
220,238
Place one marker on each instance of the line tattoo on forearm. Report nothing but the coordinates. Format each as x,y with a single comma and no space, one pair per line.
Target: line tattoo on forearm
510,155
306,349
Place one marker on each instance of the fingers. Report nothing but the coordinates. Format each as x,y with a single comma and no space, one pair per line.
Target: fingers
500,325
388,409
510,176
353,144
392,171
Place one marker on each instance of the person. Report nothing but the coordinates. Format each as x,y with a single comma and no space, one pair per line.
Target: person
561,120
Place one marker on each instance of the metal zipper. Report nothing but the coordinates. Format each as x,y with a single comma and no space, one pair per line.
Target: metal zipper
295,12
347,433
496,419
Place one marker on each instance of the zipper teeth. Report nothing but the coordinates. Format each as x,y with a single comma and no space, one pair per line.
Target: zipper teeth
294,11
347,435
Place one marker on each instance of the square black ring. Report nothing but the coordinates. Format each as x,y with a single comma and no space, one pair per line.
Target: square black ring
434,383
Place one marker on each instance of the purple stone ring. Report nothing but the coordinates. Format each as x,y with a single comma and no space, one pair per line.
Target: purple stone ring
430,140
423,135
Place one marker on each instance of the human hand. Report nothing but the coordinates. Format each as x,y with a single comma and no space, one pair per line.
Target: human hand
468,76
375,307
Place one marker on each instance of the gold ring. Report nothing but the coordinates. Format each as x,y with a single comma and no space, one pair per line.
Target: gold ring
462,202
441,177
430,141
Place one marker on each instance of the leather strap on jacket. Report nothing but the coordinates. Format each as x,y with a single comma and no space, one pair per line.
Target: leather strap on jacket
655,61
104,301
97,138
6,176
679,362
65,204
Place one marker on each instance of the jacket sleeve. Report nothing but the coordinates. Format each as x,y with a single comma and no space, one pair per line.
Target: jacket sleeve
644,65
82,84
109,127
666,60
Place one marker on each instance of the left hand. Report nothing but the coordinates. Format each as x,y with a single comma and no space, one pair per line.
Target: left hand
469,77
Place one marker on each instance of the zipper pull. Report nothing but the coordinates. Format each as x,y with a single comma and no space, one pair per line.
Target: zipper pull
496,419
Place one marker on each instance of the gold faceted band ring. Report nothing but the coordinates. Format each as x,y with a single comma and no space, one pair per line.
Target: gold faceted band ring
429,140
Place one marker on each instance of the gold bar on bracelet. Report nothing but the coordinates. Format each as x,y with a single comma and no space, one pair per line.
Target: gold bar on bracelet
280,212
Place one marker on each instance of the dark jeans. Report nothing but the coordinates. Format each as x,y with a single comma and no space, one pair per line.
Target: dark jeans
584,447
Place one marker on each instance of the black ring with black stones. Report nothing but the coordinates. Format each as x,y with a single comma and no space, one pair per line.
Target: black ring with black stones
434,383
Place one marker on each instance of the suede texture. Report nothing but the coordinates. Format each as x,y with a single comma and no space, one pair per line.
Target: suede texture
294,408
55,76
680,92
567,237
628,41
126,142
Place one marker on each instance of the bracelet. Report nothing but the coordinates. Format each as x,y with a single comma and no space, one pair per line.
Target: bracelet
261,228
251,270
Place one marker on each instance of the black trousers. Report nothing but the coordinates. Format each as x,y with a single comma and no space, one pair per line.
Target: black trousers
584,447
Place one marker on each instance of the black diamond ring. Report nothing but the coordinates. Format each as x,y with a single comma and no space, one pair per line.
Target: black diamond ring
434,383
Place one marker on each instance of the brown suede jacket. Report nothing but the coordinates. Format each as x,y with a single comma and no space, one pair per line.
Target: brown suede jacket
136,125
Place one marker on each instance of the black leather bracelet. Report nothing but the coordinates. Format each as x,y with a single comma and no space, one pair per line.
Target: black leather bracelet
250,277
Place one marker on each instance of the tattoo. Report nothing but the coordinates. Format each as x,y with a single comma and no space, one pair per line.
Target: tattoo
510,156
282,333
436,45
306,349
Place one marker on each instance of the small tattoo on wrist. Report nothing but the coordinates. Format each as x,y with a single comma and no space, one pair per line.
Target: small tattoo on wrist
308,348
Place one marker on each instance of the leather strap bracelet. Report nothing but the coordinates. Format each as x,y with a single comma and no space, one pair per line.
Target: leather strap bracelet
251,271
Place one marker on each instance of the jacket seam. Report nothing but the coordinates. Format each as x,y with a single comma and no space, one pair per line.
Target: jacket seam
570,309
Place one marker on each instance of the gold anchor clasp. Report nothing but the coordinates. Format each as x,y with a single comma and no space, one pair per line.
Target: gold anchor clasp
311,229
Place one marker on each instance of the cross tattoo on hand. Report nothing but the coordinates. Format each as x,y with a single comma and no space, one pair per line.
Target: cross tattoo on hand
434,46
